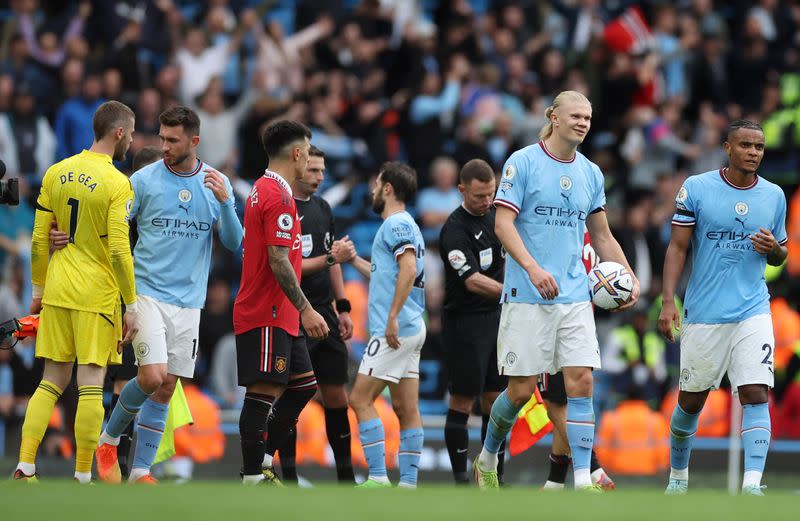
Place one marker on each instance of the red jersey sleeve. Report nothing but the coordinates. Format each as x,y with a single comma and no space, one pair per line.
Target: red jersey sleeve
278,218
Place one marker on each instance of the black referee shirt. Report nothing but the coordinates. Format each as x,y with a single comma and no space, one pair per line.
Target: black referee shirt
317,227
469,245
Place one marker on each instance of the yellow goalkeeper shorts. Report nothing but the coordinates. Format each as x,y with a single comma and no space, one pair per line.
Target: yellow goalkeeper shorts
68,334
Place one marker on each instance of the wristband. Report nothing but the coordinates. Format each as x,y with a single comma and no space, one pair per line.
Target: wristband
37,291
343,305
133,308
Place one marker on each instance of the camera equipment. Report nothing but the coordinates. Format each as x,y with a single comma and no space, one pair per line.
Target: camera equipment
19,328
9,189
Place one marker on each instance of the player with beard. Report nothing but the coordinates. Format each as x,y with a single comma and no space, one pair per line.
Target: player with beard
175,209
77,291
322,284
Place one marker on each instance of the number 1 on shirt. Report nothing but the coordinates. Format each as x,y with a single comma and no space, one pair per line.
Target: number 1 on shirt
73,218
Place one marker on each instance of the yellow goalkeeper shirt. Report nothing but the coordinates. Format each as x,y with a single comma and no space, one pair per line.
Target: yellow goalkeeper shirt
90,199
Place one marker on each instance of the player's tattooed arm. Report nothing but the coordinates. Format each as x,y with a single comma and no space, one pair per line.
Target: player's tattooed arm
284,274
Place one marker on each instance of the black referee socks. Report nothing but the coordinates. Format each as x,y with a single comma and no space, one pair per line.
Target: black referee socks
456,437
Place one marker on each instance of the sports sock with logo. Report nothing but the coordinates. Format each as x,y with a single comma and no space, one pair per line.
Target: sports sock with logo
286,411
253,429
682,428
125,439
559,465
411,441
337,427
501,419
501,454
373,442
88,424
456,438
756,433
130,402
37,416
152,422
580,435
288,457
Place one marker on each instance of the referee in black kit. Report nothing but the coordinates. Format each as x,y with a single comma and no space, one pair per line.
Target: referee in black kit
473,264
322,283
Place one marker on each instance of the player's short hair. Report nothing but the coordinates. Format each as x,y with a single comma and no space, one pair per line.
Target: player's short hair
403,179
279,135
476,169
742,123
562,98
181,116
147,155
110,116
316,152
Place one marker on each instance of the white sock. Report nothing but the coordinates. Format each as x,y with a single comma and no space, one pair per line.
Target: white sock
583,478
597,475
137,473
406,485
267,461
29,469
682,474
751,477
552,485
380,479
105,438
252,480
83,477
487,460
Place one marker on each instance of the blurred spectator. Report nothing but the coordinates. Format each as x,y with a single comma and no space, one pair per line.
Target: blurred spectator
436,203
641,243
27,142
73,126
216,321
47,49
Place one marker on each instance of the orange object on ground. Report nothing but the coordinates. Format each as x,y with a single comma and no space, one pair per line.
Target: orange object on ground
532,424
633,440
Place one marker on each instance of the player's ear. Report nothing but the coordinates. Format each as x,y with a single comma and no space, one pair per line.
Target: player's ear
195,140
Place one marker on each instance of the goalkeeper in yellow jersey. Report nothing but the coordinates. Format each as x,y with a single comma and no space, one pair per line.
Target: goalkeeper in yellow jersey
77,290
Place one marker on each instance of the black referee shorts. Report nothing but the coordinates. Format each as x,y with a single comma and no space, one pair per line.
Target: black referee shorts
470,341
329,356
127,370
552,389
270,354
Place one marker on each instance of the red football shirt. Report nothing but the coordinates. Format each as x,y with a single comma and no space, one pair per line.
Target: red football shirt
270,219
589,255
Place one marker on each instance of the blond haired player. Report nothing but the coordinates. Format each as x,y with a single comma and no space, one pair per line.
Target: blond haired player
77,290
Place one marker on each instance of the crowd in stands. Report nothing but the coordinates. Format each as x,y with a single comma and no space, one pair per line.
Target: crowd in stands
433,83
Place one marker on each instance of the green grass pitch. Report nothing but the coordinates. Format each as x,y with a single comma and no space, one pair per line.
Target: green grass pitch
227,501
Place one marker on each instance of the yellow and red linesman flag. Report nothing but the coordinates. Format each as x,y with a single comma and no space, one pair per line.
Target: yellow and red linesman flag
532,425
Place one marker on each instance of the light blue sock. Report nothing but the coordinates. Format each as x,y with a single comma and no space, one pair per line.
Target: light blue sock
152,421
756,432
580,431
408,457
130,401
501,419
373,441
682,428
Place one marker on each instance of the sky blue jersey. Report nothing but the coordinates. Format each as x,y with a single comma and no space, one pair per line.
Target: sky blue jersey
727,281
174,216
552,199
397,233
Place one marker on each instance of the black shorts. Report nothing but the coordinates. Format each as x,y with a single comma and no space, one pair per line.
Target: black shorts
329,357
551,387
470,343
127,370
270,354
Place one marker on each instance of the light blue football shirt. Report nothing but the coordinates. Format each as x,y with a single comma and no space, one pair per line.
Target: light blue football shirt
727,281
174,216
396,234
552,199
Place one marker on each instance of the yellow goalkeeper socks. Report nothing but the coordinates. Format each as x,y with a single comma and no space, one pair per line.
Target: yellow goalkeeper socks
88,422
37,417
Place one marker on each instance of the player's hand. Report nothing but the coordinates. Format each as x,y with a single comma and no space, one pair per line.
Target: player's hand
343,250
36,306
544,283
345,325
313,323
392,333
58,239
634,296
764,242
216,183
130,326
669,320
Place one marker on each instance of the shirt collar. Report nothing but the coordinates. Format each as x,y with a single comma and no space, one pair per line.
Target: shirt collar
269,174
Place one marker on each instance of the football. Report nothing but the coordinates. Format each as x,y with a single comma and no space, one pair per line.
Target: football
610,285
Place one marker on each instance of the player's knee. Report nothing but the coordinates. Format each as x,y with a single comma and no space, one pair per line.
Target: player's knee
333,397
150,378
405,409
462,404
579,384
753,394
